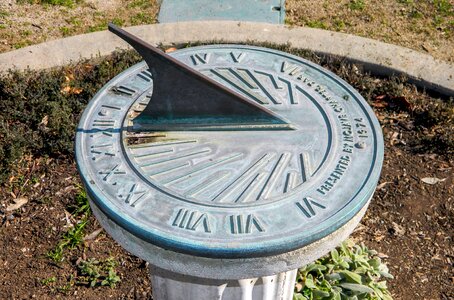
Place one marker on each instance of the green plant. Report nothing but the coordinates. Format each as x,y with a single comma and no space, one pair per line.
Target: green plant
357,4
348,272
3,13
317,24
38,119
444,7
65,31
73,237
70,240
82,206
98,273
141,18
66,3
49,280
143,4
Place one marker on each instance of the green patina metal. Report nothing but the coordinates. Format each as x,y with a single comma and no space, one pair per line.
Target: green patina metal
217,191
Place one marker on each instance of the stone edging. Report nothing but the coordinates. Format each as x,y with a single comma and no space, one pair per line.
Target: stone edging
377,57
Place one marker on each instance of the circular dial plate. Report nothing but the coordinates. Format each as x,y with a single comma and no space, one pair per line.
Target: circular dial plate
234,193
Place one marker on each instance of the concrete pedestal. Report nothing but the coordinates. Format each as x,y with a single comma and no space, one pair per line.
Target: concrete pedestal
233,197
172,286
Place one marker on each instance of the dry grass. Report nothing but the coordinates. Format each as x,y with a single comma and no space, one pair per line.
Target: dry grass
423,25
27,22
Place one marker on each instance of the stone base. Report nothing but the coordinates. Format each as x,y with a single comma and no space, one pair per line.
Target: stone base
171,286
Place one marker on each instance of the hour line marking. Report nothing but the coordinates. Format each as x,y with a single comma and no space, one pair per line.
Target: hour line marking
239,226
290,181
243,78
153,154
264,90
307,206
250,169
251,187
207,183
183,155
161,172
198,168
271,77
305,166
274,175
245,91
291,95
159,144
191,220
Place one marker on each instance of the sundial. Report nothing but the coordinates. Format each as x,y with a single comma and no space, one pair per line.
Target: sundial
227,152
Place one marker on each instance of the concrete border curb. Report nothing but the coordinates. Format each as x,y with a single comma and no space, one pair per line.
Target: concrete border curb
377,57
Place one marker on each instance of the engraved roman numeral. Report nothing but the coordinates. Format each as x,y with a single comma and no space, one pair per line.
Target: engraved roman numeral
237,57
146,75
114,171
103,123
192,220
200,58
123,90
107,110
307,207
242,224
133,195
103,132
290,69
98,151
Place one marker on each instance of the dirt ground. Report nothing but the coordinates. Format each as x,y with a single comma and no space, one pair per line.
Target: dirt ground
424,25
410,220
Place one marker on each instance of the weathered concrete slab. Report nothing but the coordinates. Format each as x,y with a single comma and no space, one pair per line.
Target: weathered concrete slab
377,57
268,11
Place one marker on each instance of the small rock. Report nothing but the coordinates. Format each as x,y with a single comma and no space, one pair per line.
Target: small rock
397,229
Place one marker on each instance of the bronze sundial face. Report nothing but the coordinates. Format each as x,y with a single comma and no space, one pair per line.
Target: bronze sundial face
282,154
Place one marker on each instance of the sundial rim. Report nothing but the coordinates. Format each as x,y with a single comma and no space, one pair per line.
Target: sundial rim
181,241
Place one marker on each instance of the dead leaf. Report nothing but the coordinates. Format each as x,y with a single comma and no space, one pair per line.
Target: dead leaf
298,287
171,49
92,235
18,203
66,90
432,180
77,91
44,121
382,185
